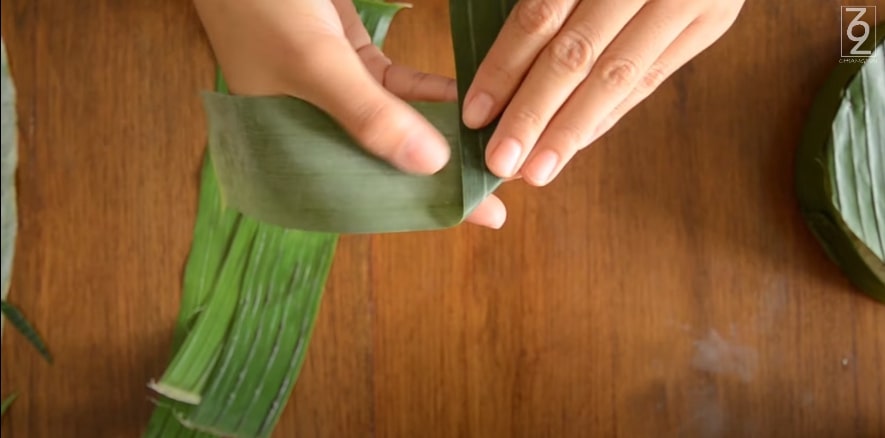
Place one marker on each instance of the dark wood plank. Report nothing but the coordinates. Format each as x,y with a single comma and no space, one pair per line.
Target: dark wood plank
106,196
665,285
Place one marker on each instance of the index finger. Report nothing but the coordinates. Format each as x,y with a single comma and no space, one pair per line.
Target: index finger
529,27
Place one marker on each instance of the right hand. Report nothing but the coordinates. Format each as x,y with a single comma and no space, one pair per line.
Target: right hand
319,51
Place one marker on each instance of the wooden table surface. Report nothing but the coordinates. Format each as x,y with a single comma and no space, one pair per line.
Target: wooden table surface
665,285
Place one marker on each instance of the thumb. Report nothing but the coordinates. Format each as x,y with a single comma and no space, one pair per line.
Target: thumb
336,80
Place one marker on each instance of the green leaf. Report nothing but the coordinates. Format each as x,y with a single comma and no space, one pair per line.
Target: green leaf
377,16
264,353
14,315
856,151
283,161
7,402
840,170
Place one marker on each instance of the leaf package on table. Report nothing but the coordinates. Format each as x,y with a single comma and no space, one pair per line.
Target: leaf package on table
840,168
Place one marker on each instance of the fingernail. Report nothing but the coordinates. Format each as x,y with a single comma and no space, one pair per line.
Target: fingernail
540,169
477,110
498,223
420,154
505,157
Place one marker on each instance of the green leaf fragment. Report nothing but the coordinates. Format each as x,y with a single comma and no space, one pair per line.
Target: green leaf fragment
7,402
15,316
377,16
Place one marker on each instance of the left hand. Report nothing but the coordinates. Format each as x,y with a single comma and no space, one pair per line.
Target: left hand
319,51
565,71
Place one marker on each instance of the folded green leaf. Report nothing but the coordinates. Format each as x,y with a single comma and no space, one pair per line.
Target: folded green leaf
283,161
840,173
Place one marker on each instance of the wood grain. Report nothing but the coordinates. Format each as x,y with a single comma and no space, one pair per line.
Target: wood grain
665,285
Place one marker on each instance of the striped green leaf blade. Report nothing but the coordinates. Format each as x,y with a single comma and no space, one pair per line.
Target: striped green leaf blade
265,348
268,170
840,173
857,155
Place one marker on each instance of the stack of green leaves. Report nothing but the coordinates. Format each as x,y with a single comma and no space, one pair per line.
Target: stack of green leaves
840,168
266,234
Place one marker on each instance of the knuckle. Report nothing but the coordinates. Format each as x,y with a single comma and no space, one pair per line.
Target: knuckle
618,72
653,78
527,119
537,17
572,52
502,75
571,138
420,80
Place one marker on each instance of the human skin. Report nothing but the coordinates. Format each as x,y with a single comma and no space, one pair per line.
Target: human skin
560,74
